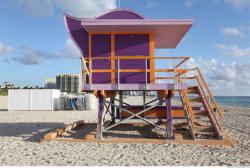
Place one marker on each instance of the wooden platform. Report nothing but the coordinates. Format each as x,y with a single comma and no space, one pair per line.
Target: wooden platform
80,132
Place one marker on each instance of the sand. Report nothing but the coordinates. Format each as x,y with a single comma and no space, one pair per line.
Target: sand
20,132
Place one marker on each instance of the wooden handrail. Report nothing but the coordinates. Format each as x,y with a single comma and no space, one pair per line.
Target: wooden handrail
165,77
142,70
189,109
180,63
210,93
138,57
208,103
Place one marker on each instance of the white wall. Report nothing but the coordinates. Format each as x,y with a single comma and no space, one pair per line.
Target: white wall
18,99
33,99
3,102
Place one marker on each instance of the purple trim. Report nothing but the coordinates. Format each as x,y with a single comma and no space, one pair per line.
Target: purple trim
89,87
77,33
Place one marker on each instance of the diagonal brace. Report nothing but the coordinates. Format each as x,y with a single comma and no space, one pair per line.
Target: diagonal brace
134,115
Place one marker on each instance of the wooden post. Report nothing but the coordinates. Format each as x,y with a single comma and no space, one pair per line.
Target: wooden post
170,134
100,118
120,104
144,99
112,110
152,61
112,58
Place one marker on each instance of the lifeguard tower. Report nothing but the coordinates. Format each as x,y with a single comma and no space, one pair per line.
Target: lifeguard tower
118,55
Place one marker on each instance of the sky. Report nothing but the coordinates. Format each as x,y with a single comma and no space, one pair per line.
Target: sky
34,44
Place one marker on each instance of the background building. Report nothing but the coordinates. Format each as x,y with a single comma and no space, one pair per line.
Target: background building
50,83
70,83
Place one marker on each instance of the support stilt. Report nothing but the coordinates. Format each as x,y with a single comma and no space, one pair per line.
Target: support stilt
144,99
100,118
170,134
160,103
112,100
120,104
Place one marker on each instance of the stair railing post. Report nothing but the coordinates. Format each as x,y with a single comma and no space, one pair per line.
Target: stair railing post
118,74
100,118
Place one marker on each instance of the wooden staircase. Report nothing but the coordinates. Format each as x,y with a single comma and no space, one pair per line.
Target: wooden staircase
203,124
202,120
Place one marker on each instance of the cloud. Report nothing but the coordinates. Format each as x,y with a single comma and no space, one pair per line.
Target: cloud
30,56
190,3
5,49
225,79
25,55
234,50
152,4
231,31
79,8
70,50
239,4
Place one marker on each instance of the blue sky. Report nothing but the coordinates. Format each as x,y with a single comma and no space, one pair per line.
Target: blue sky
34,44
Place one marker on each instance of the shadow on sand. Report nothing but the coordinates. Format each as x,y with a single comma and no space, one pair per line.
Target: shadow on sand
28,131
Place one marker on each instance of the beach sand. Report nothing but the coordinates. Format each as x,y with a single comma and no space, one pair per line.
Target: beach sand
20,132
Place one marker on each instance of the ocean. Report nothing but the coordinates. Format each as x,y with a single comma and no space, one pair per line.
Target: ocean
242,101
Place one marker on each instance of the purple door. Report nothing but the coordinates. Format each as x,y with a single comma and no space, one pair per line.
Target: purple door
101,47
132,45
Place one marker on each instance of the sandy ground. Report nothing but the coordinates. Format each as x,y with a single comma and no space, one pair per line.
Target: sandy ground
20,132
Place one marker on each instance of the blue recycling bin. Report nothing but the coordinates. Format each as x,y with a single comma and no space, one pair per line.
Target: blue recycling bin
73,103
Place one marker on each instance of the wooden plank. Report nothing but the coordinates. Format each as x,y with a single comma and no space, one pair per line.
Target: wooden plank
179,140
142,70
137,57
166,77
112,58
152,60
50,136
90,57
182,62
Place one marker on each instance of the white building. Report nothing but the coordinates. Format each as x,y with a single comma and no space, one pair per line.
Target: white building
71,83
50,83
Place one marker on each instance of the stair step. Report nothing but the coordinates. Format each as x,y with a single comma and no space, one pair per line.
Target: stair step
197,105
192,91
195,99
192,87
201,112
202,124
205,130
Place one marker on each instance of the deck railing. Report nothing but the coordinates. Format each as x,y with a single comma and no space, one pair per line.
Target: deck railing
176,68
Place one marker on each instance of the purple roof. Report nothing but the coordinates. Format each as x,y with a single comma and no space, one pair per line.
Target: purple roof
168,33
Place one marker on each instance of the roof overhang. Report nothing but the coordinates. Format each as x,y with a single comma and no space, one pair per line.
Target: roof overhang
168,33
